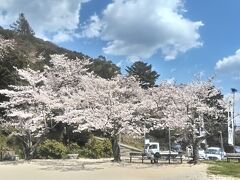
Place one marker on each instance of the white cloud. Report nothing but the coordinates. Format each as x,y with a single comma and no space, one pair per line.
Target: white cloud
171,80
62,36
54,19
119,64
201,74
92,28
230,64
133,59
142,28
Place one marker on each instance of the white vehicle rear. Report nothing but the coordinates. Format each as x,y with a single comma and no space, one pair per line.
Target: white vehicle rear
215,153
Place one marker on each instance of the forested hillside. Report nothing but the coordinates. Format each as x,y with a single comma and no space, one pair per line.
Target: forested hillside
26,52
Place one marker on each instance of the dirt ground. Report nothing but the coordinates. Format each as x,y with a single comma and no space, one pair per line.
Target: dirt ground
101,170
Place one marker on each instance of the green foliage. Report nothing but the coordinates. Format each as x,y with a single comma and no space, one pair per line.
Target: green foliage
25,54
103,68
144,73
73,148
96,148
3,142
14,144
7,72
51,149
10,143
107,148
224,168
22,27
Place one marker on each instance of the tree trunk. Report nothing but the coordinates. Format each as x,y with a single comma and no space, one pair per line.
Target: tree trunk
196,144
195,152
116,149
29,148
27,152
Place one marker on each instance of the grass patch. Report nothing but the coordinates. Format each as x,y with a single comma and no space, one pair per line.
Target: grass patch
224,168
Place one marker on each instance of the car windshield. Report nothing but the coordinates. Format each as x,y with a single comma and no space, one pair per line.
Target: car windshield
146,146
212,151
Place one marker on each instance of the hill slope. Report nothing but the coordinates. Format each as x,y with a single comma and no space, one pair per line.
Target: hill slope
25,53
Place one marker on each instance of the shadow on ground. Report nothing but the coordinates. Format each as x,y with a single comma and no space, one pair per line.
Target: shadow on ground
69,165
85,165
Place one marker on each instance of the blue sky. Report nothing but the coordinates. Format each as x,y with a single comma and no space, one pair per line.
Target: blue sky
180,38
219,36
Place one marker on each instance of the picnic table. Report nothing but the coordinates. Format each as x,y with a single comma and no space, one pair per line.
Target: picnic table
233,156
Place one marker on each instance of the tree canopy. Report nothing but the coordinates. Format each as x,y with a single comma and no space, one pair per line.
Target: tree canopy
64,91
144,73
104,68
22,27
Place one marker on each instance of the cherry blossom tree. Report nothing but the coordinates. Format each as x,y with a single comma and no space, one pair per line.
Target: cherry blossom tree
28,111
41,101
187,108
159,107
66,92
94,103
5,46
112,108
202,111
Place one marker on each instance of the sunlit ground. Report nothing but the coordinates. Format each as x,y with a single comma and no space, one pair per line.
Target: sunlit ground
100,170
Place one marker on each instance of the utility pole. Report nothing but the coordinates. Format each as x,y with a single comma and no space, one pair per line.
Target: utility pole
233,120
230,124
221,141
144,132
169,144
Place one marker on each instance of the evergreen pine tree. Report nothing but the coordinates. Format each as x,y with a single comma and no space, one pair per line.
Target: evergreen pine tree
22,27
144,73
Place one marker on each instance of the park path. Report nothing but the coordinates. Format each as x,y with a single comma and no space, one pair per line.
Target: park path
101,170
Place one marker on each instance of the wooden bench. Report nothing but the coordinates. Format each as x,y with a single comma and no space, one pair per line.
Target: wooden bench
164,155
137,155
174,156
233,156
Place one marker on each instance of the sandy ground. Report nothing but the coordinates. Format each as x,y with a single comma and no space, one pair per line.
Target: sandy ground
101,170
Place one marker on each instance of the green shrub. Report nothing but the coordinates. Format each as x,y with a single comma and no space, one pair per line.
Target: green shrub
51,149
107,148
96,149
73,148
3,145
87,153
3,142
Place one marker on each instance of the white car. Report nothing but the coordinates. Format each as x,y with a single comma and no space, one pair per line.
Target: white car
201,154
214,153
